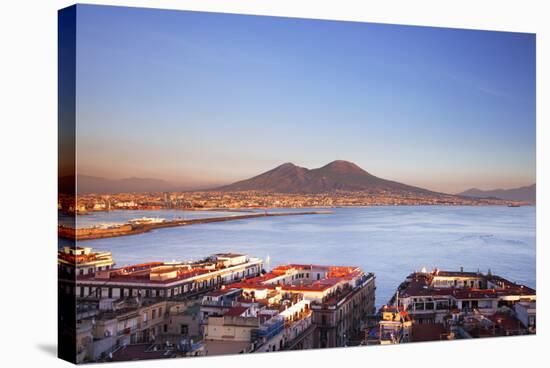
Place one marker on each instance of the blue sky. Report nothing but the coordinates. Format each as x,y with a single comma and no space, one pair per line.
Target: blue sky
202,98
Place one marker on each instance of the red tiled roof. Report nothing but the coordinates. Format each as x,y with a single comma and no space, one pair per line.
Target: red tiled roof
420,284
235,311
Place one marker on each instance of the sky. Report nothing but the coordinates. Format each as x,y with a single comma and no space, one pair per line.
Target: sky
204,98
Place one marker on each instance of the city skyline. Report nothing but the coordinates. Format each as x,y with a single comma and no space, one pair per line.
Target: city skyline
208,99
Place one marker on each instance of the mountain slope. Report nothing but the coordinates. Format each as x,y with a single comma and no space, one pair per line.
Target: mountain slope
337,175
526,193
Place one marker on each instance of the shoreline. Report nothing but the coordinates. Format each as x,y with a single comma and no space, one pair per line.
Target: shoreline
255,210
133,229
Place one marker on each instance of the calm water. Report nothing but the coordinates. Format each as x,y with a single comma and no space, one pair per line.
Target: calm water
389,241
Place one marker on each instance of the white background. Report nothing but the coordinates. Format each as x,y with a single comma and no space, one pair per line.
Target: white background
28,179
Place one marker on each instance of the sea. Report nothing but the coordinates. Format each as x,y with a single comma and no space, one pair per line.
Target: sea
390,241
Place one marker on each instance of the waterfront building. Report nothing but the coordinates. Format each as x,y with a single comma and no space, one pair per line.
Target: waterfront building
83,261
445,305
167,279
430,296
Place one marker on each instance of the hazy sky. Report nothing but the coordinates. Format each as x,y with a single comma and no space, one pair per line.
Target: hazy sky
203,98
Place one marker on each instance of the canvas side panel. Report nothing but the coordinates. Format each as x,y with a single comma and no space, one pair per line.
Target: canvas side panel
66,182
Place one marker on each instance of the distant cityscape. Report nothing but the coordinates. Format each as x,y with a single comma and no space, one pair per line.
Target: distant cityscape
257,199
234,303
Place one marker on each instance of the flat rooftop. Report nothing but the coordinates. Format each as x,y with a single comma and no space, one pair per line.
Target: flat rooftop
334,276
228,255
142,352
159,273
428,332
421,284
226,347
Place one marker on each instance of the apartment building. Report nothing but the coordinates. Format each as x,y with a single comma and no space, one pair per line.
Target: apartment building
167,279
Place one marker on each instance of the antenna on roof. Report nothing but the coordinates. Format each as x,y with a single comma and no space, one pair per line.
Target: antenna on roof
397,299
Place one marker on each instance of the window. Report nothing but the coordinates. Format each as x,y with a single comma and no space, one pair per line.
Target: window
165,328
153,314
184,330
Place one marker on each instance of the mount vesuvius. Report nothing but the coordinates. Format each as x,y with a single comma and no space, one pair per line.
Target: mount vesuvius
337,175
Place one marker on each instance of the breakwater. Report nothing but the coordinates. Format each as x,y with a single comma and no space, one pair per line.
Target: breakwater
132,229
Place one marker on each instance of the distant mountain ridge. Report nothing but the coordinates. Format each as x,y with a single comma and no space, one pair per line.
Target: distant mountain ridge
337,175
526,193
99,185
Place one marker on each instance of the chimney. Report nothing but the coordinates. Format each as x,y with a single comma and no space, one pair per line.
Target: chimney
461,269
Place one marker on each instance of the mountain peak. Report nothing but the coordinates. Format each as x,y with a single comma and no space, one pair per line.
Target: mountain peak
340,162
343,166
286,164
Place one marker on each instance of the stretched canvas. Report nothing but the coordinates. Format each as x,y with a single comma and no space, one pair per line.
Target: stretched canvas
243,184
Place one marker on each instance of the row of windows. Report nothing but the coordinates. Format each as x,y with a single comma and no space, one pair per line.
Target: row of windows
153,314
91,270
97,292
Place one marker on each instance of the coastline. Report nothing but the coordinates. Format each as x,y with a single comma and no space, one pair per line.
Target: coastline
126,229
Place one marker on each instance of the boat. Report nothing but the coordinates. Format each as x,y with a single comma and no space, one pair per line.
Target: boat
146,221
513,205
